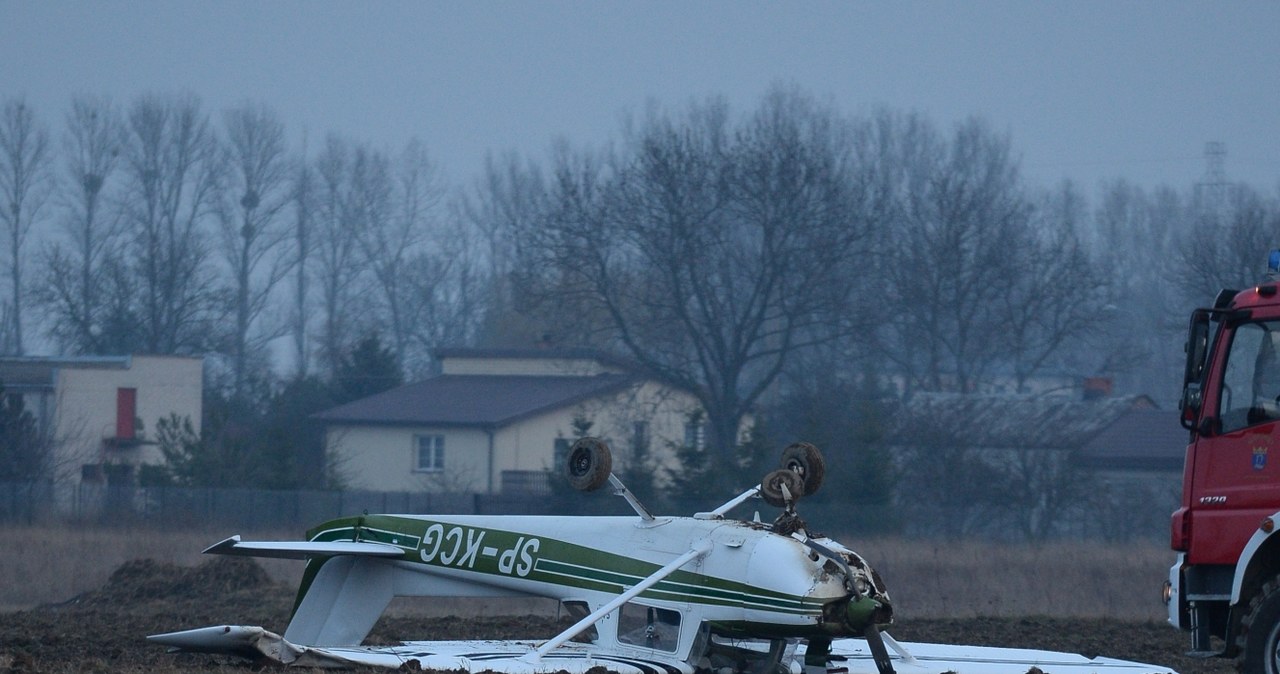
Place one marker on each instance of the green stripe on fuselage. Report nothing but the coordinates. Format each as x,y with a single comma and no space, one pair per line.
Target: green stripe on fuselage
501,553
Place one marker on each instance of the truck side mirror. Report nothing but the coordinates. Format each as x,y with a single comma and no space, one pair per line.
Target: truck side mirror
1190,404
1197,348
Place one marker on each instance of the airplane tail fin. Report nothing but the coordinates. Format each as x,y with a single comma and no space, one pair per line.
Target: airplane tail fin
345,588
339,600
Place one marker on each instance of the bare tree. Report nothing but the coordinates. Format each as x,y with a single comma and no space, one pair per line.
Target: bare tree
395,207
960,233
447,290
946,486
508,198
25,185
1227,248
1045,490
715,251
74,282
304,188
336,250
251,231
173,177
1059,293
1135,238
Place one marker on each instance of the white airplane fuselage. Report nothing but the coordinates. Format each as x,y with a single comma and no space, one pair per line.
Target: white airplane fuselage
747,579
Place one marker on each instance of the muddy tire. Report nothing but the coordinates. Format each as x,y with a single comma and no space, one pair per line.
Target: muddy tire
589,464
1259,638
805,459
772,484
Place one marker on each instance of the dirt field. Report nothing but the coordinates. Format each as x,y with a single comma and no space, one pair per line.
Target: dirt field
103,630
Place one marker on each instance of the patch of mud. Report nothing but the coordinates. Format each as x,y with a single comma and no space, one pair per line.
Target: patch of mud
149,580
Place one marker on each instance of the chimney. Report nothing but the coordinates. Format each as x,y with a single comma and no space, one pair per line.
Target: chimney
1096,388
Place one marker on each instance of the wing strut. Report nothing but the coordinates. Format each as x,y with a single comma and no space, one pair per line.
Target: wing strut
718,513
621,490
699,549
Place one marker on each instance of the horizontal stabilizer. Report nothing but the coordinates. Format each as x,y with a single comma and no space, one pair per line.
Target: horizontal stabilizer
231,639
302,549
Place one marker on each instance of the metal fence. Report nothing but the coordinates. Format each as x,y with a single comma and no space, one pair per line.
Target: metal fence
182,507
177,507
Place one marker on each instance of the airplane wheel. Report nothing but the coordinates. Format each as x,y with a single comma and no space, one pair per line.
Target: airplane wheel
589,464
805,459
772,484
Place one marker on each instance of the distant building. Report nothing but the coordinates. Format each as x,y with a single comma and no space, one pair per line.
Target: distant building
1100,465
1113,436
499,420
1140,443
100,412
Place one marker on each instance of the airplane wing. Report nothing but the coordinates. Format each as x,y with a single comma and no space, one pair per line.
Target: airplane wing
851,656
505,657
302,549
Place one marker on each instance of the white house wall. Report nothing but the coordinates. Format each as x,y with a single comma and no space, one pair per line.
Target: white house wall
86,409
382,458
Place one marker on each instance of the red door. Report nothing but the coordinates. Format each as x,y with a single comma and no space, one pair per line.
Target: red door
126,412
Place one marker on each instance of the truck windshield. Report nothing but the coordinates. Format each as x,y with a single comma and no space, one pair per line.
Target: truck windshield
1251,380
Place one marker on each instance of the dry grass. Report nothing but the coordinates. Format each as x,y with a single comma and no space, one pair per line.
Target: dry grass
44,565
52,564
966,579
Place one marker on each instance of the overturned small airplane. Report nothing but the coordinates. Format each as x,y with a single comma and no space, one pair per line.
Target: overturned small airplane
655,595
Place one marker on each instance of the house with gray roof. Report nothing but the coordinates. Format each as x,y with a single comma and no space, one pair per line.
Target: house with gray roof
1139,442
1104,466
500,420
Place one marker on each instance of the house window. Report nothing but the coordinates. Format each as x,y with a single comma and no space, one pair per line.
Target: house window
430,453
560,456
640,438
695,435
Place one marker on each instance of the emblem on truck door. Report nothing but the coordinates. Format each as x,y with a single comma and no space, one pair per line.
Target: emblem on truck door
1259,458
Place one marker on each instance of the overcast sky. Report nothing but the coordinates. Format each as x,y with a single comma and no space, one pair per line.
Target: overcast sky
1086,89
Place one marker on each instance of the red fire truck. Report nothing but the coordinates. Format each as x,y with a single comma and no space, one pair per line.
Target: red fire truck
1226,581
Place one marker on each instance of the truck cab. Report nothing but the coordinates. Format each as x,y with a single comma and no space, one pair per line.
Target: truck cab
1226,580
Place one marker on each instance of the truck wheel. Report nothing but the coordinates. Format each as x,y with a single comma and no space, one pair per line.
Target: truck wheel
805,459
589,464
1259,637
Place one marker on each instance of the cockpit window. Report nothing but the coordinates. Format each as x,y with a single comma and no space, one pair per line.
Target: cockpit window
749,656
649,626
579,610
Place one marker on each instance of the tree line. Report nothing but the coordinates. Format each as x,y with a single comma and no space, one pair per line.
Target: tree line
755,257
